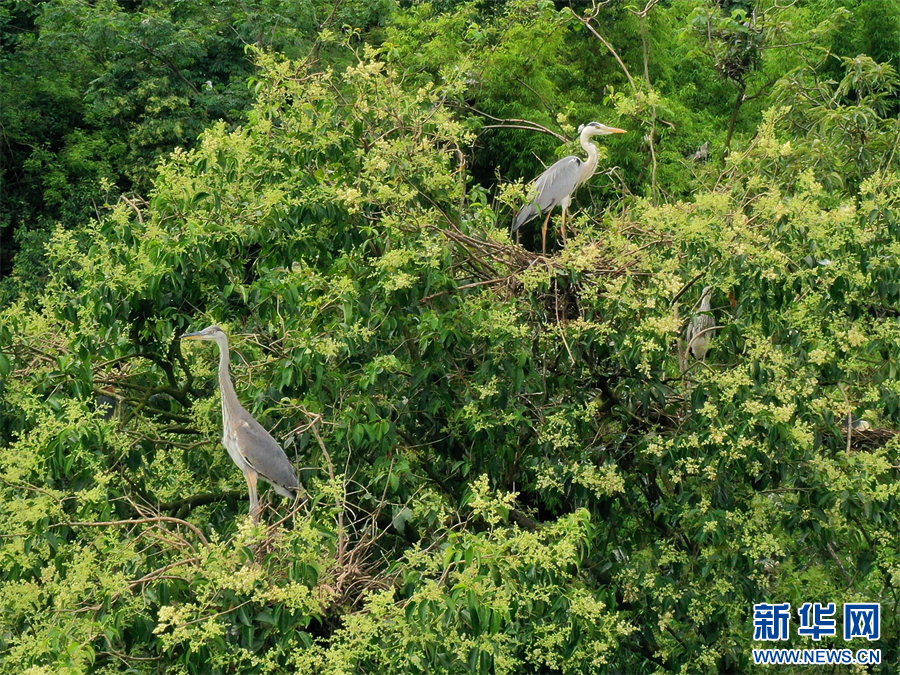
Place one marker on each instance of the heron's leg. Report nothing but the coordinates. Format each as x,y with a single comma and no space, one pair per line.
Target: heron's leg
565,241
544,232
251,477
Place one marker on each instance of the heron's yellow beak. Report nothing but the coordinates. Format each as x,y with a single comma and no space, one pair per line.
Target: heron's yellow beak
617,131
191,336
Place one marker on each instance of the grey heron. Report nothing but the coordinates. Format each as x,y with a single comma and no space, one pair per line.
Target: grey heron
556,185
851,421
251,447
701,329
702,154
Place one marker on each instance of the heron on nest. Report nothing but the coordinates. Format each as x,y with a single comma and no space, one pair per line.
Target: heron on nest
556,185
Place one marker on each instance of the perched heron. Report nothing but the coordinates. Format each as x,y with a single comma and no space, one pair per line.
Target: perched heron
702,154
851,421
701,329
251,447
556,185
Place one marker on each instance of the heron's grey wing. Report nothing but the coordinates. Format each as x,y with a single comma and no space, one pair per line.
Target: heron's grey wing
550,188
265,456
700,323
699,335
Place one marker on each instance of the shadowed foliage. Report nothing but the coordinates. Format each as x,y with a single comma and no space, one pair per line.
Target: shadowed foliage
513,463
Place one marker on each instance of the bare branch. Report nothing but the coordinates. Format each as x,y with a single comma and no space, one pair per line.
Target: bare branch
138,521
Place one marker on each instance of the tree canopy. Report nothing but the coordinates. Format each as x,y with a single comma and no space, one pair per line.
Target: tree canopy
513,463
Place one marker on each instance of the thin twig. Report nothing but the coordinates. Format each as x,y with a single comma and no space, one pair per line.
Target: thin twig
513,123
686,287
463,287
849,417
562,330
152,576
587,23
134,206
834,555
138,521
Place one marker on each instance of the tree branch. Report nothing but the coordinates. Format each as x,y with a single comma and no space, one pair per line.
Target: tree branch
138,521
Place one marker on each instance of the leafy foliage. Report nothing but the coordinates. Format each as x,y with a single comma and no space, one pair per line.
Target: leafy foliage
106,89
512,464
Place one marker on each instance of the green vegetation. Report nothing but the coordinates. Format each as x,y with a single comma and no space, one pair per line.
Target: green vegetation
512,466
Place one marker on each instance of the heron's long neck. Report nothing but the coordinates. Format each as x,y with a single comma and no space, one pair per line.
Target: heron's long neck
590,165
225,384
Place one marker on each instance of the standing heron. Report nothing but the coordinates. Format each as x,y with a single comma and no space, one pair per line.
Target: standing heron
251,447
556,185
701,329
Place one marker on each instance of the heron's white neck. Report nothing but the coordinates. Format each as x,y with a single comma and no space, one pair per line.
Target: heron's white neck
590,165
225,383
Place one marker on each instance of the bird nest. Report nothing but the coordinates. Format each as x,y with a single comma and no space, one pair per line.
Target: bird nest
870,439
504,265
